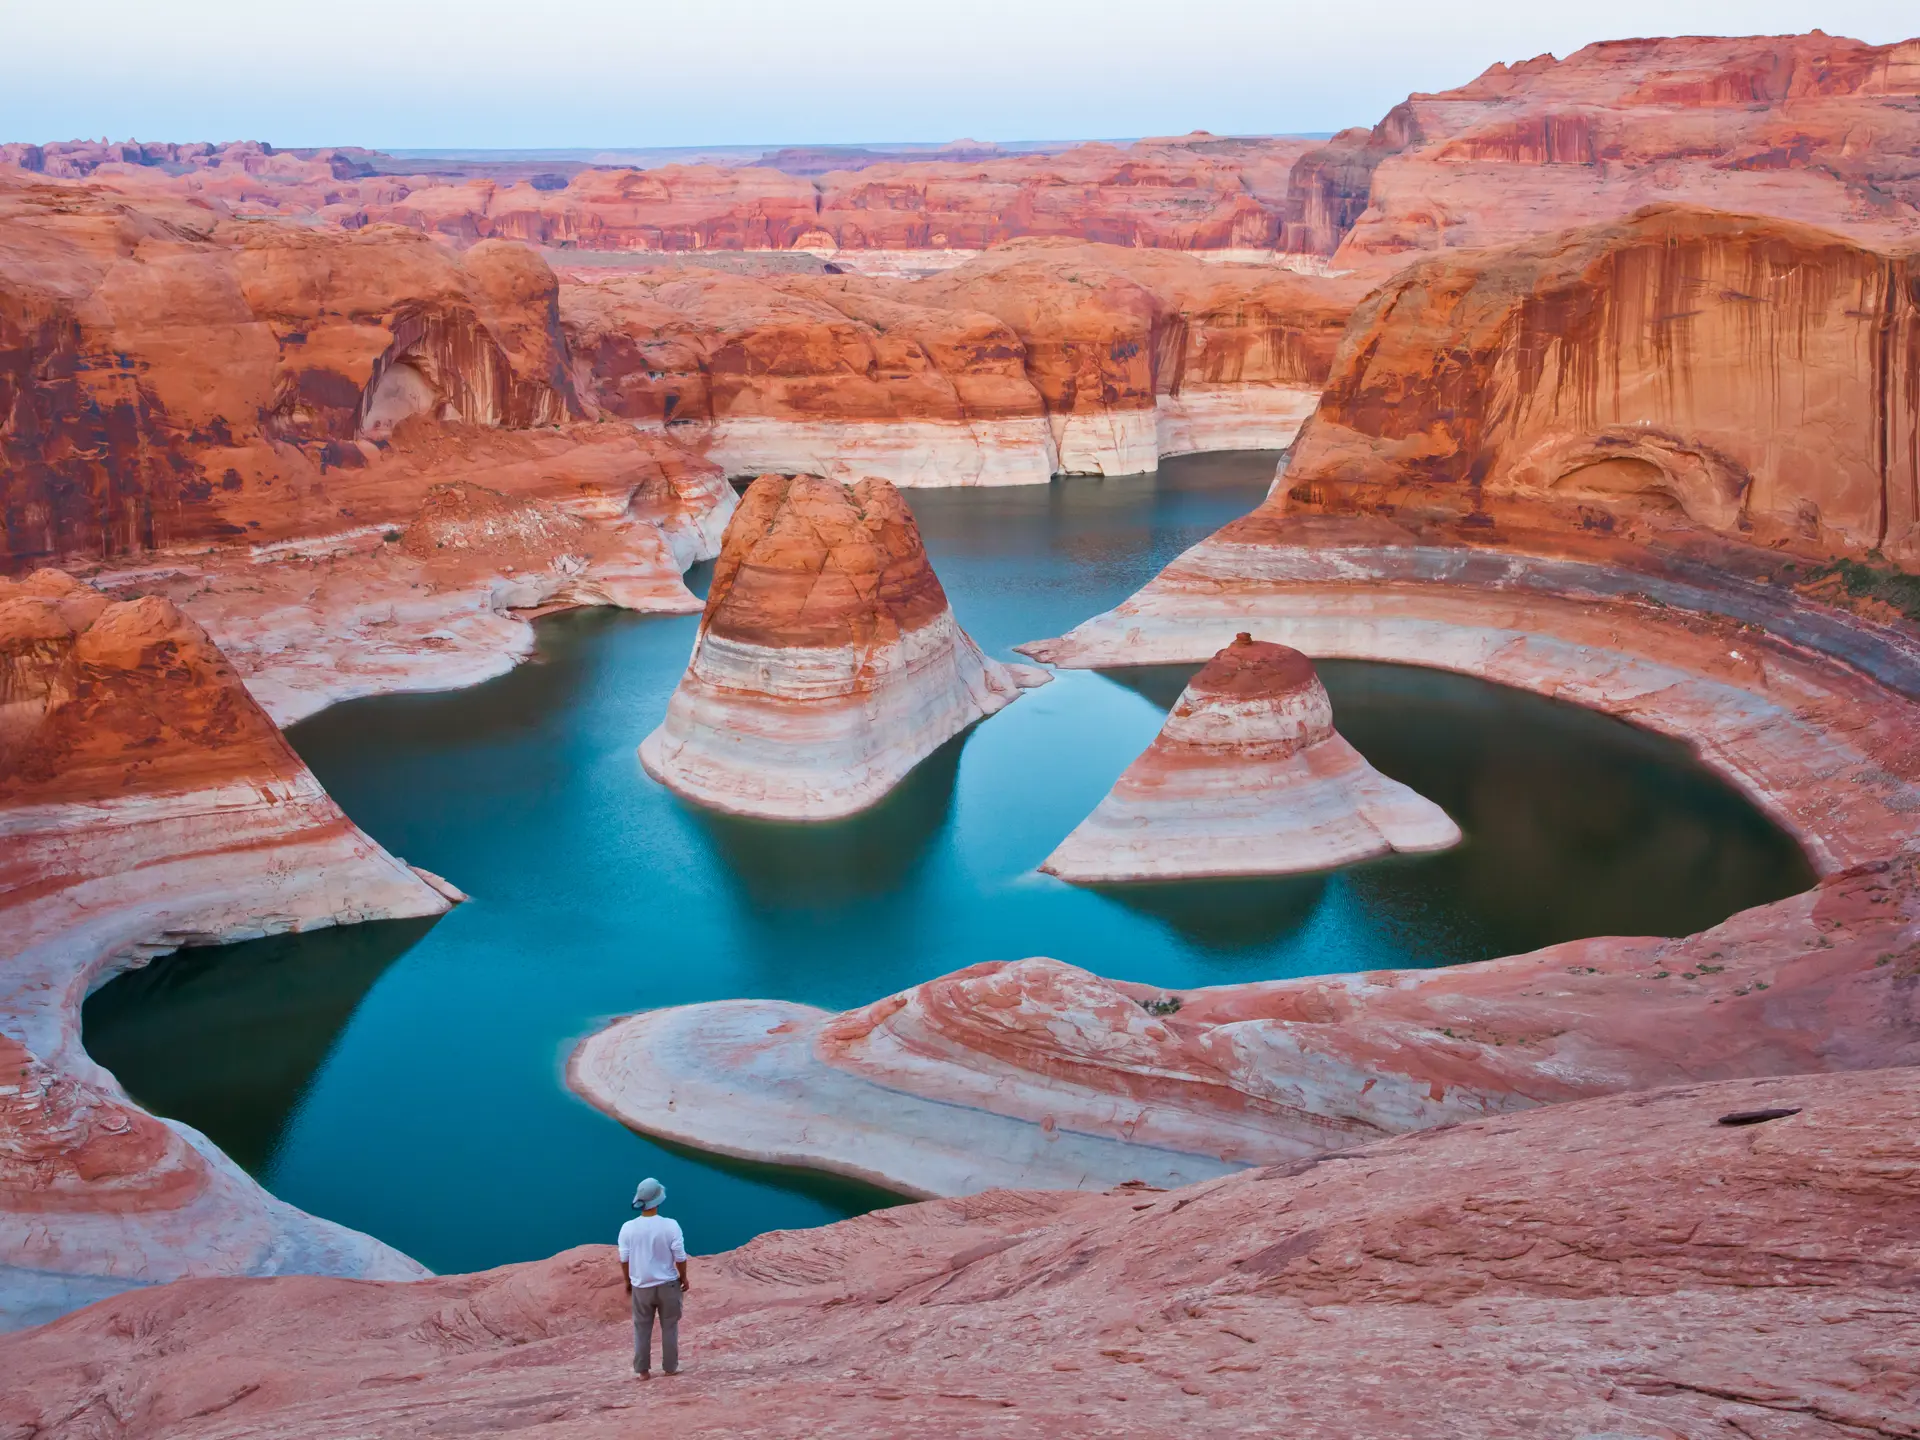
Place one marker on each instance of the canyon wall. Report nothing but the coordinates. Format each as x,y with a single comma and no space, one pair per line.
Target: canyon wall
1194,192
1813,128
172,378
828,662
146,802
1679,370
1040,358
247,417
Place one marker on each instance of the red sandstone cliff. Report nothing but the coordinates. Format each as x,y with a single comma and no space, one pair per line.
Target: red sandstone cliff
1811,128
1677,371
1041,356
162,370
145,802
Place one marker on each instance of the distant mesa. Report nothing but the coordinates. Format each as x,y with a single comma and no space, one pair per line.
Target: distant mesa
1248,777
828,662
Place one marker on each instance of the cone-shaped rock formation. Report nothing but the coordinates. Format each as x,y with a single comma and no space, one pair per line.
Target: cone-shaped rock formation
828,662
1248,777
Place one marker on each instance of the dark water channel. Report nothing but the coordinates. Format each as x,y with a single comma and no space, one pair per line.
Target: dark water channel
405,1078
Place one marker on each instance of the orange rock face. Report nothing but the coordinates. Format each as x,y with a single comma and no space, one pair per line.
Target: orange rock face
1195,192
109,699
146,802
1678,370
810,563
1811,128
1039,357
169,376
828,663
1627,1266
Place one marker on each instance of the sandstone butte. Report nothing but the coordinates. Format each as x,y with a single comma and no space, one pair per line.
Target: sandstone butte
1248,777
828,662
1610,466
146,802
1040,358
1624,1266
260,420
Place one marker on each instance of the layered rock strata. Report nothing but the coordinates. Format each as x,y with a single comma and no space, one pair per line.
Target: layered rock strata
250,418
433,587
1812,128
1196,192
1039,1073
1399,533
828,662
1248,777
146,802
1039,359
175,378
1674,372
1626,1266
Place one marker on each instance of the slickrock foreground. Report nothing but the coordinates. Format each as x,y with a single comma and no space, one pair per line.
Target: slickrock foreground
1624,1266
146,802
828,663
1248,777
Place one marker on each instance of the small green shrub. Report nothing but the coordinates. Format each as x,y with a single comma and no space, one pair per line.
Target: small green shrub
1880,582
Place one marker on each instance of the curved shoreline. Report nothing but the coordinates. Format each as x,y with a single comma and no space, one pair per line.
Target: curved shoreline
746,1070
1780,720
94,889
1812,715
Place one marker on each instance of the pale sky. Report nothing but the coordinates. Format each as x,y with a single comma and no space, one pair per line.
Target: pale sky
613,73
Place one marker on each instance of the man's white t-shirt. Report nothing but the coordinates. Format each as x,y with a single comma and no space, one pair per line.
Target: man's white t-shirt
649,1246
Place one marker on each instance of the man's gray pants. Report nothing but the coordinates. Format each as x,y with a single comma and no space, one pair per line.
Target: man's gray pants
665,1301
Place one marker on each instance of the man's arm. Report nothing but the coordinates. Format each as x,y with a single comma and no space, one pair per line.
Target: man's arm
685,1284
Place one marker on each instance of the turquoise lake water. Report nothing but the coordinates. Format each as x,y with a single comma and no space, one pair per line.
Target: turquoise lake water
405,1078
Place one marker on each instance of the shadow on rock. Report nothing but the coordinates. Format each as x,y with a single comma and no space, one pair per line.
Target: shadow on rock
1225,915
796,865
1160,684
228,1038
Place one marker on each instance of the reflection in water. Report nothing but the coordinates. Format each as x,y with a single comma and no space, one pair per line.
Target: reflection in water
1161,684
1227,916
597,893
1576,824
230,1036
792,865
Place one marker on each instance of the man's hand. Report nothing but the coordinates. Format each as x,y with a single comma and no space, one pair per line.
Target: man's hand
685,1284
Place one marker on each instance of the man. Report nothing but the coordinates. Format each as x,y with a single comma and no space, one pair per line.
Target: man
653,1262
